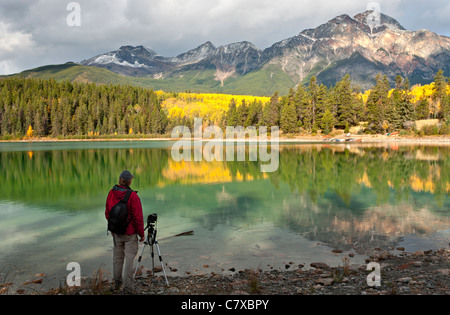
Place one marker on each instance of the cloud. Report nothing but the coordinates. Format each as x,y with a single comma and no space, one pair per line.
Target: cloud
35,32
12,43
7,67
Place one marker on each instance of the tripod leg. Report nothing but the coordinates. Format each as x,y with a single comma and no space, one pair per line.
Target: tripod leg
139,260
153,261
161,261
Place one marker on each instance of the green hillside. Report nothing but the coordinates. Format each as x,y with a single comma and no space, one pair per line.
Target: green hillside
75,72
263,82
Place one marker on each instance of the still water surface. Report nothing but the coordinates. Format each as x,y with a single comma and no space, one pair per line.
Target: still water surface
323,197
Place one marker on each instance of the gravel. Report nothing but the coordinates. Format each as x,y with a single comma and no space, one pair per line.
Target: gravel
418,273
403,273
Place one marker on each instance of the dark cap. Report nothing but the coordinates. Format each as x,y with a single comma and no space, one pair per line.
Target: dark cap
126,175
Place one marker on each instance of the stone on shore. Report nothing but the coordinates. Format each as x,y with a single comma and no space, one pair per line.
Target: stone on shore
319,265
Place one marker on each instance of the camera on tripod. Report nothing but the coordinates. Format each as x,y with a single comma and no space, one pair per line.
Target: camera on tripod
151,222
151,240
152,218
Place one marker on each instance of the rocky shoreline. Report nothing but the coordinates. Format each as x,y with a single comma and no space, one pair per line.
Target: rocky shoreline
418,273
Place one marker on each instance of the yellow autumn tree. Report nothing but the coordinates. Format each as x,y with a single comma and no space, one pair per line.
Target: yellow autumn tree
420,92
211,107
30,132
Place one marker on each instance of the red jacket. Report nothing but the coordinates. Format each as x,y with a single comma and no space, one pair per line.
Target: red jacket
136,225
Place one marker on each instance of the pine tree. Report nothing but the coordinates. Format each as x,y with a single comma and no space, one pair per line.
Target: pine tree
81,118
446,109
111,121
313,91
298,99
377,104
274,110
288,120
6,126
439,95
232,116
40,120
321,104
155,121
164,120
66,117
400,111
29,116
271,112
56,120
423,109
254,114
392,112
242,114
406,113
305,111
327,122
346,109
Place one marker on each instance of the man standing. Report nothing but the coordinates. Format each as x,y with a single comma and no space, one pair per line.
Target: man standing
126,245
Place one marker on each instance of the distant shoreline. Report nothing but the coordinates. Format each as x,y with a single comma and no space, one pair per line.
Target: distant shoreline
367,139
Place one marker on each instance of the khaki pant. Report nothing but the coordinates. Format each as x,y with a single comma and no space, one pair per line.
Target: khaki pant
125,249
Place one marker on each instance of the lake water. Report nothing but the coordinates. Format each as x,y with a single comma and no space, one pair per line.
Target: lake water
322,197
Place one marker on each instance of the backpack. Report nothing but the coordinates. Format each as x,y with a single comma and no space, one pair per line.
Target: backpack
118,216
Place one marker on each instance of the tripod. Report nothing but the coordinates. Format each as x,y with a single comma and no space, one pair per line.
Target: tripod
152,240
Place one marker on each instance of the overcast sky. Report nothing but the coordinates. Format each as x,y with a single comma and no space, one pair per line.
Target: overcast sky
36,32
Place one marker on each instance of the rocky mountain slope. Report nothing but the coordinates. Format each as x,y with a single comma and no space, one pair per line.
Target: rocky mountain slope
342,45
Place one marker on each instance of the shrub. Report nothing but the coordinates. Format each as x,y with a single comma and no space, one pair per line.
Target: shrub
444,130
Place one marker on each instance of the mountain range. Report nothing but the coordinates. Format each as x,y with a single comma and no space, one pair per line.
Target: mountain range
343,45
